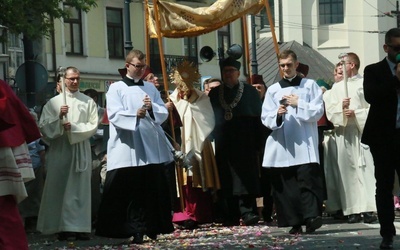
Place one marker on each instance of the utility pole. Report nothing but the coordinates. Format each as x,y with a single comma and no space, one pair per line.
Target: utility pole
127,20
397,13
254,64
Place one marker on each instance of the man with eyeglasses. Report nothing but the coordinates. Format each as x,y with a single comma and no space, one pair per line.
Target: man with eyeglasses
67,127
382,130
349,160
136,199
291,110
237,110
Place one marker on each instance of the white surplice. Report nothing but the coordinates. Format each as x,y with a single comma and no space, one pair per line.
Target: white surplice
66,200
355,181
135,141
295,141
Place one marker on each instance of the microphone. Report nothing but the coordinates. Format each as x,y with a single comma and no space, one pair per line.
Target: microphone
398,58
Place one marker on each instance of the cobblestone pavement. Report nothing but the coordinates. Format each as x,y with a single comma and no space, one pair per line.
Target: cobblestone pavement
333,234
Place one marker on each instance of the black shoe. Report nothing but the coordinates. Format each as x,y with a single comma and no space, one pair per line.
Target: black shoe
231,223
296,230
313,224
354,218
66,236
250,219
152,236
83,236
137,238
387,243
189,224
369,217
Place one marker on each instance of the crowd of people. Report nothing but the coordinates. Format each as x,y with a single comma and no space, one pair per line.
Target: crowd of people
153,160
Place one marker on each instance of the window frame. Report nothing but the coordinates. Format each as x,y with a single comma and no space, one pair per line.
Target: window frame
112,53
331,12
71,22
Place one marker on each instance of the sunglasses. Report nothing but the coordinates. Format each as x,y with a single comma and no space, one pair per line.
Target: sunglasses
138,66
282,65
395,48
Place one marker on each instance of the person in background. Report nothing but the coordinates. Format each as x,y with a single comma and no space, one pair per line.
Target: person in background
265,203
17,128
173,136
211,83
136,199
98,153
68,128
382,130
200,179
29,208
353,160
291,110
237,110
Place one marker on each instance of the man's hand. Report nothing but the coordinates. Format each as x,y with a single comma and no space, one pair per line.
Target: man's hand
282,110
169,105
141,113
291,100
349,113
346,103
67,126
63,111
147,102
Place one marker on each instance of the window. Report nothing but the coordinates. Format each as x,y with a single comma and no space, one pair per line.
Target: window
331,11
190,46
73,31
15,50
264,16
115,33
224,40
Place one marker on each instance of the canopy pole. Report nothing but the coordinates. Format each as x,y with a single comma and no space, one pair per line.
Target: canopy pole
271,24
165,79
246,45
146,29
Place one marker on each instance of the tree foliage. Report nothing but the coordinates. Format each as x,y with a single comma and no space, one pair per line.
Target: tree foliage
34,18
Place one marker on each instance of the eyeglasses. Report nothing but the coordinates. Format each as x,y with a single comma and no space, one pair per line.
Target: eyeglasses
282,65
73,79
138,66
395,48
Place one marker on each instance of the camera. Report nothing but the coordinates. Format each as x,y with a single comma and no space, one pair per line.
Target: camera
283,102
180,157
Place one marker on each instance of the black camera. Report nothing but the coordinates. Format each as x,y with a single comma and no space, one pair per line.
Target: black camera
283,102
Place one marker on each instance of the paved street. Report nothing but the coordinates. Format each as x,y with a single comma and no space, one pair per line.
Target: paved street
333,234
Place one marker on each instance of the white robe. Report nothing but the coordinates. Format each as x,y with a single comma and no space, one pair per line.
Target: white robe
134,141
66,200
295,141
198,122
355,181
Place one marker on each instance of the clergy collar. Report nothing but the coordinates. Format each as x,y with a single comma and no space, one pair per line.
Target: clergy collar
132,82
291,82
290,79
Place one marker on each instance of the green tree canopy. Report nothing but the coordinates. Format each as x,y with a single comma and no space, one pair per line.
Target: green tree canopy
34,18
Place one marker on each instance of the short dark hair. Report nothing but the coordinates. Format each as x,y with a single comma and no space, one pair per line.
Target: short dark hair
395,32
287,53
92,93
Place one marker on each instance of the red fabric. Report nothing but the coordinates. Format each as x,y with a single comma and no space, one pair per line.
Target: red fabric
16,123
105,120
198,205
12,232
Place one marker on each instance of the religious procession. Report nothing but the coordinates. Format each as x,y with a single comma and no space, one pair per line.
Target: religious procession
178,157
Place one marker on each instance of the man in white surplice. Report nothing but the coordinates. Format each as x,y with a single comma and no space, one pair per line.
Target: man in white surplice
67,126
355,180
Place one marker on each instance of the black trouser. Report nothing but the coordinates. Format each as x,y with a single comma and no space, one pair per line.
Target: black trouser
386,155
